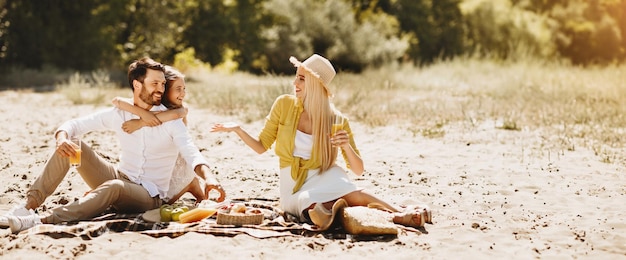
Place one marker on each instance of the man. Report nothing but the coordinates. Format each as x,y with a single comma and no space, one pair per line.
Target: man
141,179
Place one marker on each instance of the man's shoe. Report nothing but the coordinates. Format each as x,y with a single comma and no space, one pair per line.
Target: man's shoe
20,223
17,210
4,222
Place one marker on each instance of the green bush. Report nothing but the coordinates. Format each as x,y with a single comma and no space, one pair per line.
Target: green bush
329,28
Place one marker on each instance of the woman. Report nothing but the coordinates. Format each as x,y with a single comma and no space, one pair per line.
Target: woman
300,124
183,178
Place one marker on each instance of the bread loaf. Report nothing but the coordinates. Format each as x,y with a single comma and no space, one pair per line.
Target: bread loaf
196,214
238,208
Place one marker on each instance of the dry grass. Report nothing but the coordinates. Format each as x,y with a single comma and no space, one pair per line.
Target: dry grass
93,88
570,106
246,96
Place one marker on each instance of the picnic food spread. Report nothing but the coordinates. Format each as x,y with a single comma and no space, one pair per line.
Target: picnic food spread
238,214
172,212
227,213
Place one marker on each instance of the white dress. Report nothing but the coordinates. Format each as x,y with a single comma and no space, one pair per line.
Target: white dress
328,186
181,177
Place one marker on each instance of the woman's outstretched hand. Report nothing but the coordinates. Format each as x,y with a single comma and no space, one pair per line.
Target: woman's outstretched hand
253,143
224,127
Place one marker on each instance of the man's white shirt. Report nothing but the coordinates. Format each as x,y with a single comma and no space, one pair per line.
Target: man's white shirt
149,154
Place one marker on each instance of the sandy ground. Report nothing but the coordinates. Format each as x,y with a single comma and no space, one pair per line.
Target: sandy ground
495,193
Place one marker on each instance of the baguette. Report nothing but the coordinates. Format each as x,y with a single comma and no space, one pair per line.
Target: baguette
196,214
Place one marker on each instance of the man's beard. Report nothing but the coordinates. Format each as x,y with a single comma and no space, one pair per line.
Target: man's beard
148,97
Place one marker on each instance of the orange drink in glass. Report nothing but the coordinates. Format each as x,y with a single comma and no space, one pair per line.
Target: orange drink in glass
337,124
75,159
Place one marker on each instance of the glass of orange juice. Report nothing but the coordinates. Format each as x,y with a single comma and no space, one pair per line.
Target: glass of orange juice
337,124
75,159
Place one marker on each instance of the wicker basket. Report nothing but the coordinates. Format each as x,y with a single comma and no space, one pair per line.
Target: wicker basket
239,219
367,221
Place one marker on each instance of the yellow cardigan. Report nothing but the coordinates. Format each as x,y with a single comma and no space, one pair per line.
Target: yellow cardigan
280,126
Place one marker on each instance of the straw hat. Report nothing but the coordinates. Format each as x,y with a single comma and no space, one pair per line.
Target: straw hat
320,67
153,215
324,218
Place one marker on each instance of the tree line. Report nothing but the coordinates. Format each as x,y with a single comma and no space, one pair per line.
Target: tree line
258,36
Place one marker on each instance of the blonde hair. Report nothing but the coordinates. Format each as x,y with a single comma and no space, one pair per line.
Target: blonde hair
321,112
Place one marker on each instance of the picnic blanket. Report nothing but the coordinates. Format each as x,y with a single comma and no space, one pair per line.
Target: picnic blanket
276,223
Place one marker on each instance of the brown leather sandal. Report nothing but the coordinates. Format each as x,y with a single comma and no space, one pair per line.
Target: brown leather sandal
425,211
410,218
428,216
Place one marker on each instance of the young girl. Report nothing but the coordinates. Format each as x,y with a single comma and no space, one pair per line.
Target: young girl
311,184
183,178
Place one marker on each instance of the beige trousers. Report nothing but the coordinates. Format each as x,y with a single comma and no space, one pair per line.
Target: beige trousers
109,188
